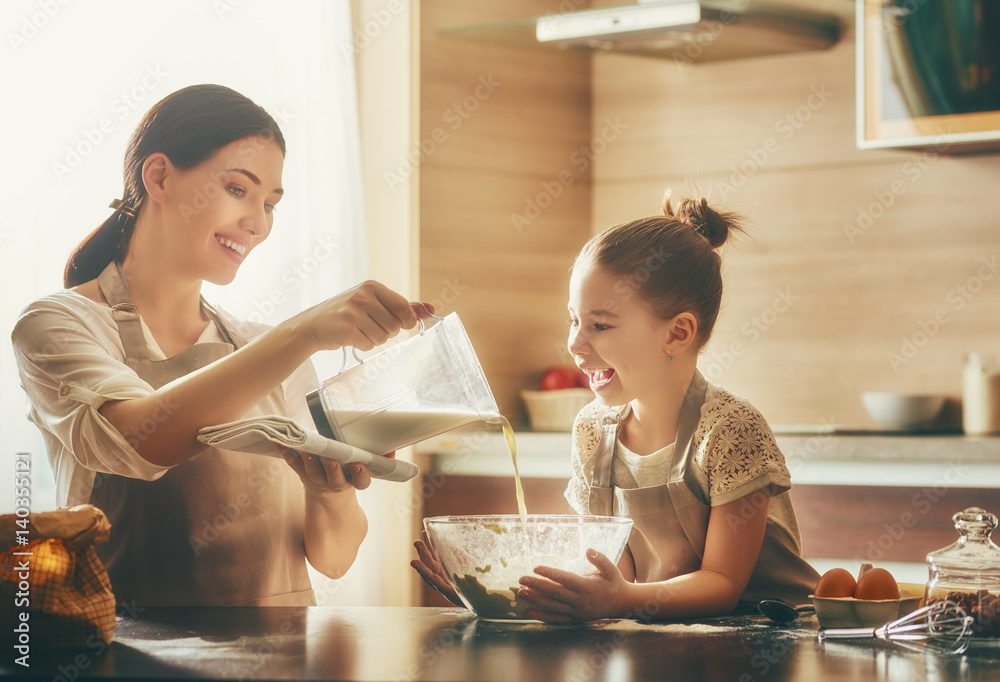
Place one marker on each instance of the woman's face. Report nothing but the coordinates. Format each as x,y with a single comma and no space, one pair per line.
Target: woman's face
221,209
614,337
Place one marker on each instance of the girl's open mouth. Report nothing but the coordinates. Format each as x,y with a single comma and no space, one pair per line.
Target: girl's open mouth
599,378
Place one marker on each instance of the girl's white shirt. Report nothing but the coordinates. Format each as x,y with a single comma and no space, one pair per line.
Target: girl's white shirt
631,470
71,361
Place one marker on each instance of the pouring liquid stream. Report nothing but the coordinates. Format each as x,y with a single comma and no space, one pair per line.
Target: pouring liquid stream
508,434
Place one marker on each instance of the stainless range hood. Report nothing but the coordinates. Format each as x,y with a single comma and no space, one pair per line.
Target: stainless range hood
688,30
696,31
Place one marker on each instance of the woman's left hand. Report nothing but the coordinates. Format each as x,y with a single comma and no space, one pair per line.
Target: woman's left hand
557,596
322,475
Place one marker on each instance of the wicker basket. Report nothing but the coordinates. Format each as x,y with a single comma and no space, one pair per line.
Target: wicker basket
555,410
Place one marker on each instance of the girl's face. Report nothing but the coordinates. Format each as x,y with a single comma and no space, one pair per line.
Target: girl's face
614,337
223,208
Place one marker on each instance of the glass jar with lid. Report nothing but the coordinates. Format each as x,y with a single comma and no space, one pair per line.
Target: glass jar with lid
968,573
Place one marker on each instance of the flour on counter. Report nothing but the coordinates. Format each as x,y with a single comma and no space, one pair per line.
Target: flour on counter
631,625
699,628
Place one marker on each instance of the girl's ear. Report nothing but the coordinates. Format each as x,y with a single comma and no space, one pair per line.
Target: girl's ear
155,171
681,333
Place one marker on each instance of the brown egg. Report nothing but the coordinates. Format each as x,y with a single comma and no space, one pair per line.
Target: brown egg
875,584
837,582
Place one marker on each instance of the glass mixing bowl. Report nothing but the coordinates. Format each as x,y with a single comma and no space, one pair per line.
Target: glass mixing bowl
485,556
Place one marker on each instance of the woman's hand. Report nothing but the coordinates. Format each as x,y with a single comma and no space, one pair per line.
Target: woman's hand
363,317
322,476
431,570
558,596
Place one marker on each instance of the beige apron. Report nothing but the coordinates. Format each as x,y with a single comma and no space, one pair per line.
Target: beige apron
221,528
670,522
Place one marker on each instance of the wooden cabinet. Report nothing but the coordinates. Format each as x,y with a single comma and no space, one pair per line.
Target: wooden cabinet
927,76
882,523
860,523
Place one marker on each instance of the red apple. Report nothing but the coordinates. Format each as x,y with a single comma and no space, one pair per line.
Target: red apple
563,377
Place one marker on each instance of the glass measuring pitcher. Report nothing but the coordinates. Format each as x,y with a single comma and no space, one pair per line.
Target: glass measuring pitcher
417,389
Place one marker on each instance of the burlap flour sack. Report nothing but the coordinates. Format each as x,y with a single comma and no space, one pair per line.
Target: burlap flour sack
54,590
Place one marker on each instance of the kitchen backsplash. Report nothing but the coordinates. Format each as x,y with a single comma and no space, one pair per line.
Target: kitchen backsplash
862,270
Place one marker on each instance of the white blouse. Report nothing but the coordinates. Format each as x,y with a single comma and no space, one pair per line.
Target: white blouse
71,361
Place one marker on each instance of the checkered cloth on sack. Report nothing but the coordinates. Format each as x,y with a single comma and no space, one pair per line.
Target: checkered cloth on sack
70,602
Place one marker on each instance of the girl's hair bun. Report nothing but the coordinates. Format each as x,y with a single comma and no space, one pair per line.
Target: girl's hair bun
686,241
706,221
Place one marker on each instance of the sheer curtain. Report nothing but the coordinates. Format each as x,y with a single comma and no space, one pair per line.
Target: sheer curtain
77,79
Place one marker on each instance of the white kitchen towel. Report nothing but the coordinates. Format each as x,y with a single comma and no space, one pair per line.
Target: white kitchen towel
258,434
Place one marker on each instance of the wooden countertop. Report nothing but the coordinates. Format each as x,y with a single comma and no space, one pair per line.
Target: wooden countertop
388,643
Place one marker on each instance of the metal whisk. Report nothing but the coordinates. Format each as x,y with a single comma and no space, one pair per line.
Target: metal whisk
943,627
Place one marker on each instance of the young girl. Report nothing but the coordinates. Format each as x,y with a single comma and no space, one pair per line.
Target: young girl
694,466
125,365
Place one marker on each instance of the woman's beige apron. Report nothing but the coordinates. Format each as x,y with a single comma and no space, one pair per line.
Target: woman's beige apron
670,522
221,528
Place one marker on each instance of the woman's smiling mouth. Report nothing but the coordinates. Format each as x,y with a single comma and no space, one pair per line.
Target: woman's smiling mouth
240,249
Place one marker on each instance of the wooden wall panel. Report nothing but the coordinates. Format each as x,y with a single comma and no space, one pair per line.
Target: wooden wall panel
851,253
494,157
705,119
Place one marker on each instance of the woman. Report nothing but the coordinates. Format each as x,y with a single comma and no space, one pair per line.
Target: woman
124,366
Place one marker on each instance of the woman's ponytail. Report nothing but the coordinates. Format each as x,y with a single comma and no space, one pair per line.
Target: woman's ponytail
105,245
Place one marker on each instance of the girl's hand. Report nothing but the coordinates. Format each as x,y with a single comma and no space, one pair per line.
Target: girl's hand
431,570
322,476
363,317
563,597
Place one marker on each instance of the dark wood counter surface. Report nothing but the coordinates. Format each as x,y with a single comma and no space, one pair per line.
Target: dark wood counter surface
448,644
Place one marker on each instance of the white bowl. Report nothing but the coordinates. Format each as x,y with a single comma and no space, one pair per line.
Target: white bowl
900,410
